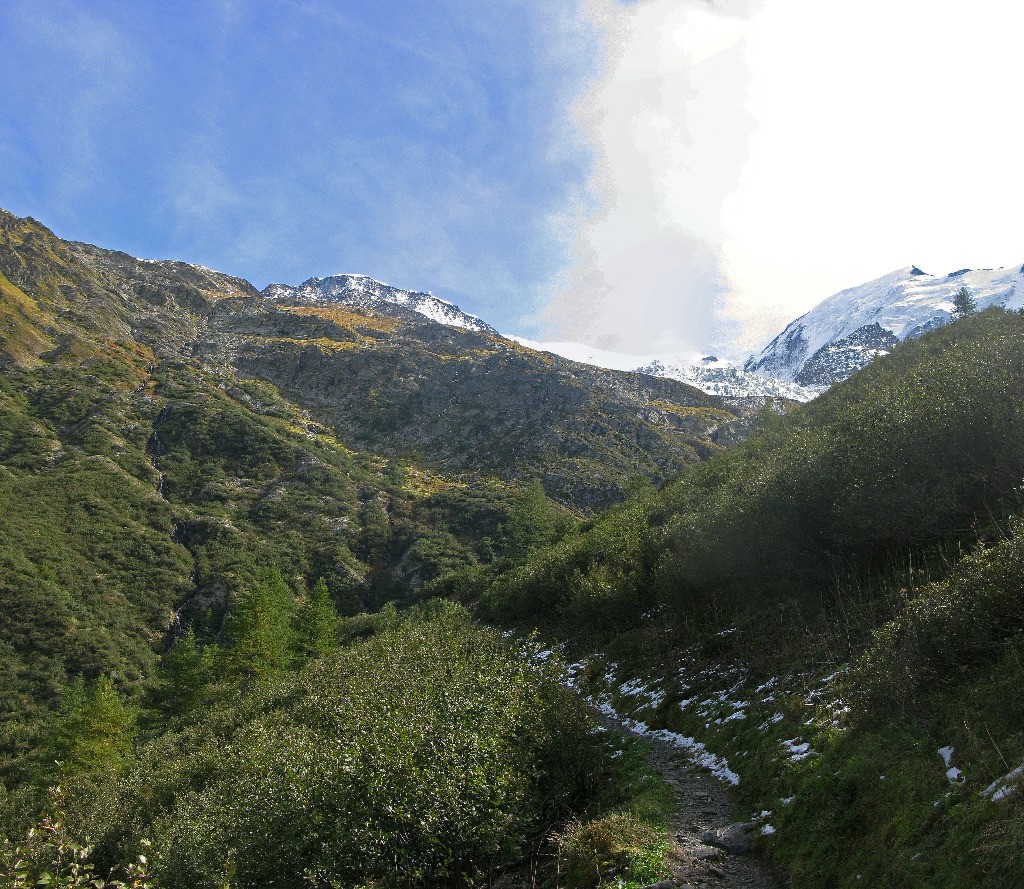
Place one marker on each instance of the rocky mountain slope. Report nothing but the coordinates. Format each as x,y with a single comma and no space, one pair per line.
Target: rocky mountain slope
166,432
400,373
850,328
362,292
468,401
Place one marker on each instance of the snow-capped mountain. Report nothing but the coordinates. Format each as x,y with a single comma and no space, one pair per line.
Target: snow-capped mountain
707,373
846,331
719,377
366,293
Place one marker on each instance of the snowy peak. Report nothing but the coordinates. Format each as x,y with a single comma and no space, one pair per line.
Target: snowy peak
363,292
725,379
707,373
846,331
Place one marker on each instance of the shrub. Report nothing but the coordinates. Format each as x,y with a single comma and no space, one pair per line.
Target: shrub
428,754
951,626
49,856
616,846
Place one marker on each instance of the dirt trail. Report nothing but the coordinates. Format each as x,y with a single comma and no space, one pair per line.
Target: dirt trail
703,804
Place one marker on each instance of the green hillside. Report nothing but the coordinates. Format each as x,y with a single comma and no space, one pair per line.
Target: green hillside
850,577
167,444
227,525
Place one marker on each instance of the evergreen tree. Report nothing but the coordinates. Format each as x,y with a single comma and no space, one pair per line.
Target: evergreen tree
186,671
94,730
316,622
259,628
964,303
534,521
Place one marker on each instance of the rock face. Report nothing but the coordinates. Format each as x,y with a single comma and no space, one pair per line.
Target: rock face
464,400
390,372
837,360
851,328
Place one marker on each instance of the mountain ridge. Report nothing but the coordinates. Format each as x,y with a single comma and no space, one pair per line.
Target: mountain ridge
847,330
362,291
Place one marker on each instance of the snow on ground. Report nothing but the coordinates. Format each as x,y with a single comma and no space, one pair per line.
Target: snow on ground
717,765
1001,788
798,749
952,772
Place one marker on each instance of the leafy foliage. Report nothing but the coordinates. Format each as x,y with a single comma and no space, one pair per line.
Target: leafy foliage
922,446
49,856
427,754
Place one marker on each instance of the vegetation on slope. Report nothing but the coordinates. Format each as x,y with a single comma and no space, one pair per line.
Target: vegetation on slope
430,753
867,539
142,490
422,751
177,545
849,579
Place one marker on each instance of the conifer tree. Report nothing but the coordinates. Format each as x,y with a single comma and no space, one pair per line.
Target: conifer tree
94,730
964,304
259,628
186,672
316,622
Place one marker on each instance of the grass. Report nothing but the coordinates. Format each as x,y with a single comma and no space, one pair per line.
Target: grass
625,843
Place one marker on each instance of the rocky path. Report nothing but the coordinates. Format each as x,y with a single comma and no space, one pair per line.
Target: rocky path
709,848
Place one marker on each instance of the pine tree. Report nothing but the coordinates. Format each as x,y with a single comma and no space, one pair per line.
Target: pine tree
964,304
316,622
94,730
186,672
259,628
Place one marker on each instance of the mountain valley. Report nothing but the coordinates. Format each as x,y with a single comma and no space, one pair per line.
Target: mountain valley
334,585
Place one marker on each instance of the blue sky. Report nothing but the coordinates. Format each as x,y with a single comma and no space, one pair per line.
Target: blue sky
430,145
651,177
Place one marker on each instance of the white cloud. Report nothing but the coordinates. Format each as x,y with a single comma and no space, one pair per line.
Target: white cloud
750,165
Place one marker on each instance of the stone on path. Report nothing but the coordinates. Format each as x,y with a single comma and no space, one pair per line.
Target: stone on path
734,838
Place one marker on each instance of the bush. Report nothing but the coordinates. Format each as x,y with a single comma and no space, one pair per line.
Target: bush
49,856
427,754
951,626
617,846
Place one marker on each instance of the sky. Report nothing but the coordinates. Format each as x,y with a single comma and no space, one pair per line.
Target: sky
651,177
429,145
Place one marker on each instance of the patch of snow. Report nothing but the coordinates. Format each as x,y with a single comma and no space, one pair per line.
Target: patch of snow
767,830
798,750
952,772
698,753
1001,788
